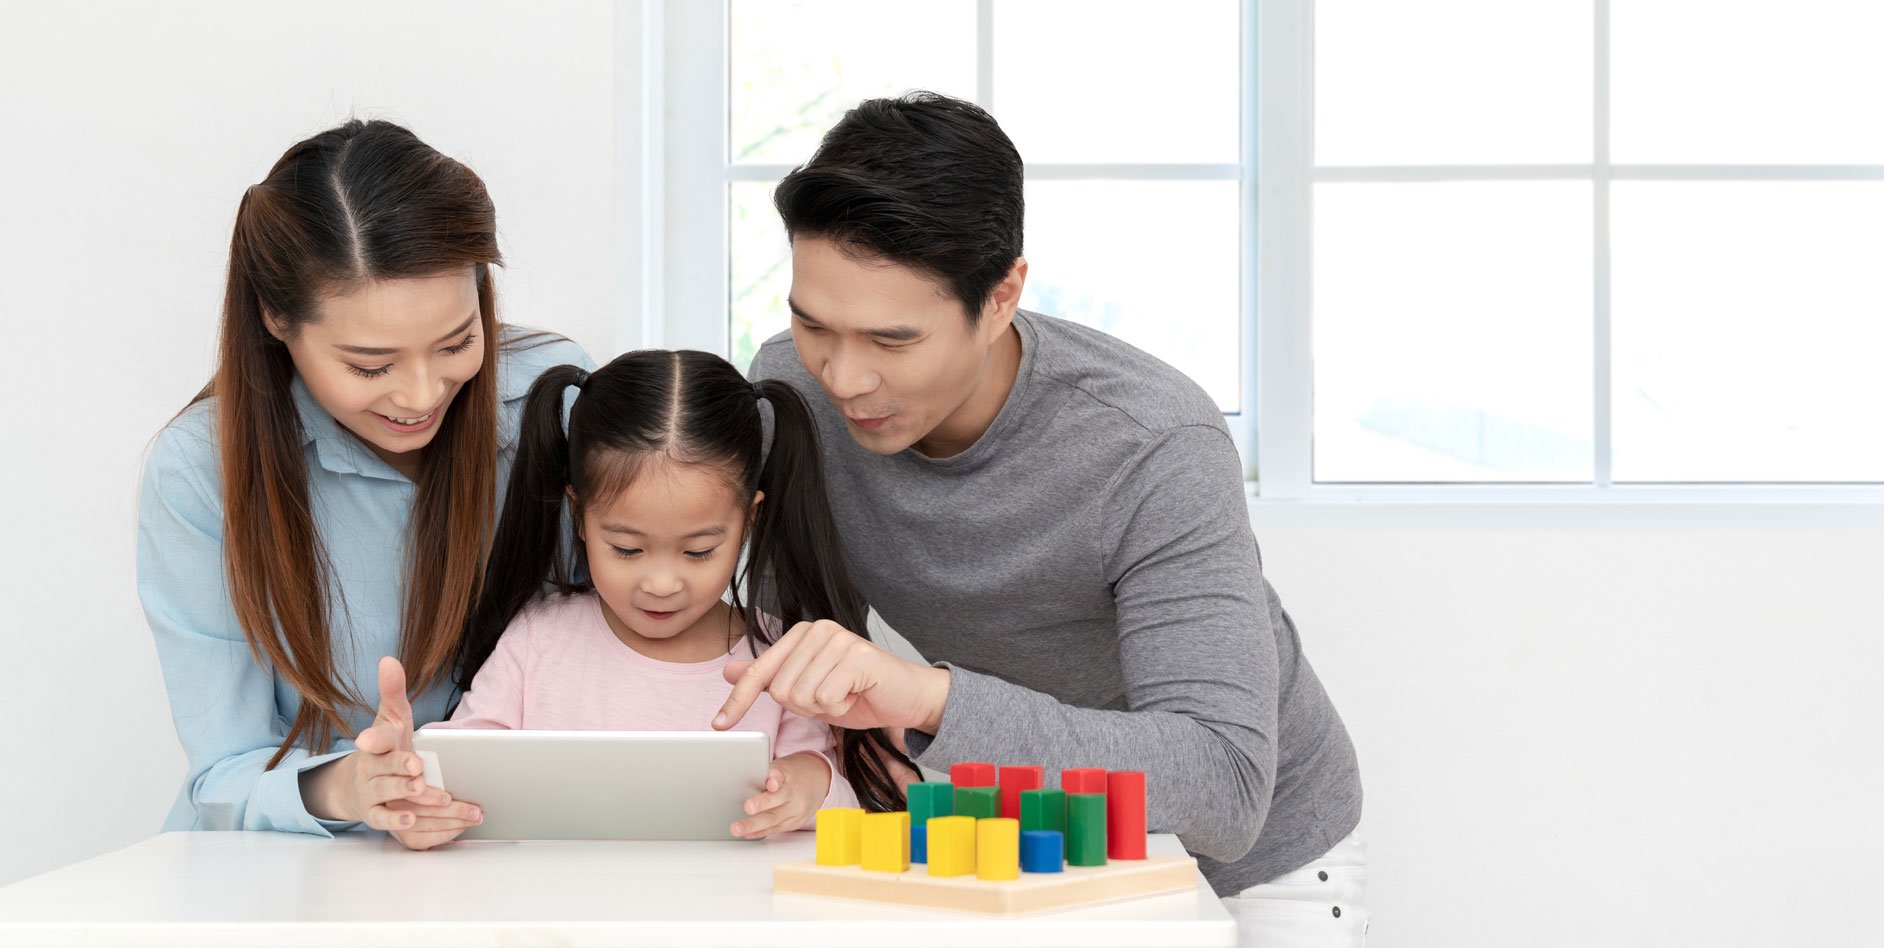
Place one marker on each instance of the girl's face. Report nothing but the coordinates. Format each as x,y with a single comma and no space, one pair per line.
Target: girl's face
662,552
387,358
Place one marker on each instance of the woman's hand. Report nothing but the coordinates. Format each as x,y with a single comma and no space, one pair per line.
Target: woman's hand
824,671
381,783
797,784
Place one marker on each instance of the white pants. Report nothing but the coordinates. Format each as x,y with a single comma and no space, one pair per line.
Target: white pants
1321,905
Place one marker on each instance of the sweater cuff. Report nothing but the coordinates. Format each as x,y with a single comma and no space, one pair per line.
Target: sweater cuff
962,720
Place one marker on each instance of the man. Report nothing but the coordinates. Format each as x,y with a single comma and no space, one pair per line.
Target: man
1052,516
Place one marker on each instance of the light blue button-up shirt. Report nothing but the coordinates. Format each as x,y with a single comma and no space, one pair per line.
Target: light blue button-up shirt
232,712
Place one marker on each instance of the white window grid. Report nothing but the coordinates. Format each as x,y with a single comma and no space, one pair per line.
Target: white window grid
691,164
1284,367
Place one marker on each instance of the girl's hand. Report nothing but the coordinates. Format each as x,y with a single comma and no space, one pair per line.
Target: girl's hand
797,784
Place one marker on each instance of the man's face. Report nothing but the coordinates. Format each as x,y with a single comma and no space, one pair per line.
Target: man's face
889,345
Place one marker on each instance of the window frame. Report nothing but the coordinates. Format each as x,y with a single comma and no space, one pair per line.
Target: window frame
1284,275
693,191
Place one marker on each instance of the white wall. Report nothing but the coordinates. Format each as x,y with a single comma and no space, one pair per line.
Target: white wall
1611,726
1633,725
128,132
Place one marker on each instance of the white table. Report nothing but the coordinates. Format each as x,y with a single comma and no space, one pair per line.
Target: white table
284,889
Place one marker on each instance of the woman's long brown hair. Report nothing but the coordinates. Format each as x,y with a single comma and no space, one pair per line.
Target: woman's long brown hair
365,201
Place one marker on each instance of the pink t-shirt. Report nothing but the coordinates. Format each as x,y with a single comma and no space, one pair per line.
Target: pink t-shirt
560,667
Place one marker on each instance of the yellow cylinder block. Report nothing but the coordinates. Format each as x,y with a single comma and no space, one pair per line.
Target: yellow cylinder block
997,849
951,845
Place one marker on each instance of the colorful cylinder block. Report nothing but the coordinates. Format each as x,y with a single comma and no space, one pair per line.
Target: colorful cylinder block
997,849
972,775
1013,781
886,841
951,846
1086,829
1042,850
978,802
919,842
1083,780
1125,814
840,836
1043,809
928,800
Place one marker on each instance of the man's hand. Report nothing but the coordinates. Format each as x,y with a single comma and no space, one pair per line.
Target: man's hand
824,671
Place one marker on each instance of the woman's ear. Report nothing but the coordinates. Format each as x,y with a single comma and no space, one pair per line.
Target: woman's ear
575,511
275,325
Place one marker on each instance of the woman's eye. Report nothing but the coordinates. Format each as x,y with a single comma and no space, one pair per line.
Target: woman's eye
368,373
466,344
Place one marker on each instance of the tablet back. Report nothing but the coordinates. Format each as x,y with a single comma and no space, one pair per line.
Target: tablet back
598,784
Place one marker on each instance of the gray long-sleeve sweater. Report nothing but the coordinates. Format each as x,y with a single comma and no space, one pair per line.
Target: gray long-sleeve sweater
1087,571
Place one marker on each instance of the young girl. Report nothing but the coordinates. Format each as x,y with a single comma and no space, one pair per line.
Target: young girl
327,499
662,474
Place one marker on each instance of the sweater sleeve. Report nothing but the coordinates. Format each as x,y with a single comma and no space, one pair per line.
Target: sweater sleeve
1195,645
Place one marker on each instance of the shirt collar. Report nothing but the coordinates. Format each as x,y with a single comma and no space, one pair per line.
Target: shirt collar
337,449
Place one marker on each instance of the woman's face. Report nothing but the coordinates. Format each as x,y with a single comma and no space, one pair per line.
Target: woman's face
387,358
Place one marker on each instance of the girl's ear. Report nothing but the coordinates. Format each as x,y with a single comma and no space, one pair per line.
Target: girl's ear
575,511
752,512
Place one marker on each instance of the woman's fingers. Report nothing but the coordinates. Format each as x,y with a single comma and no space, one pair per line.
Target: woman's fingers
389,787
394,708
422,840
468,814
383,817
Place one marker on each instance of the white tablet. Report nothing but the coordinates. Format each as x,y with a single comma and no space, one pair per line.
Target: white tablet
598,784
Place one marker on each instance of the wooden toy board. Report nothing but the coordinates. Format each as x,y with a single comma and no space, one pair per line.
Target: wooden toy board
1071,887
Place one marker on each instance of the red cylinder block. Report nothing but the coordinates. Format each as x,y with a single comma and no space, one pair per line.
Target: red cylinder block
1125,814
1083,780
972,775
1013,781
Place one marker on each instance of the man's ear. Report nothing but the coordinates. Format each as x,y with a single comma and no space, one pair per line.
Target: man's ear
998,312
575,511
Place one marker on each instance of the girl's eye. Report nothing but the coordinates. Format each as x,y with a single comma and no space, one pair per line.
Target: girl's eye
368,373
466,344
699,554
625,552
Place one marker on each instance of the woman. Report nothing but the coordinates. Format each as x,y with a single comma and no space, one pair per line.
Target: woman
329,497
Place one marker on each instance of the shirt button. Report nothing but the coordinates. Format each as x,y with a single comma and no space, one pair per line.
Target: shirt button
1323,876
1337,910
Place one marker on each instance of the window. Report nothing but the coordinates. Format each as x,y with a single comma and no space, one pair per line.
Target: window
1131,119
1570,242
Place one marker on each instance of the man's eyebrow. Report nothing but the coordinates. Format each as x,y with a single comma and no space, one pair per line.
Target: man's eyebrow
900,333
373,351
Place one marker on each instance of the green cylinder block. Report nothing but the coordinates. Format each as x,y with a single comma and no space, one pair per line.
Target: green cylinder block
1086,829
